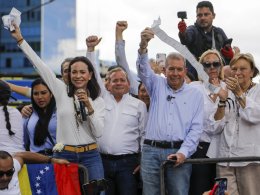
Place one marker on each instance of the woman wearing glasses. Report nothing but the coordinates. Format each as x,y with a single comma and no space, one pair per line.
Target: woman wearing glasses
202,177
239,127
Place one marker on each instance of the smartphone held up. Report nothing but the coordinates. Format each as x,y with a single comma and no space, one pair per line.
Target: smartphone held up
161,59
219,187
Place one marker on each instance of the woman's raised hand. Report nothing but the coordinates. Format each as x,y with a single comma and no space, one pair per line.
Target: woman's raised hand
16,34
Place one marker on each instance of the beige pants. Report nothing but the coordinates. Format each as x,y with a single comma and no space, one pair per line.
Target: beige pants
241,180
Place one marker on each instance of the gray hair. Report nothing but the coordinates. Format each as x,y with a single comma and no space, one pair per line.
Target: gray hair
175,56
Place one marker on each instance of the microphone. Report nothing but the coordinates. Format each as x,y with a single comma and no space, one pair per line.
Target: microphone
82,108
82,111
169,98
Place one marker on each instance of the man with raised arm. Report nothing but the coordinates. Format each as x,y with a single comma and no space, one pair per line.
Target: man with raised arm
174,123
125,119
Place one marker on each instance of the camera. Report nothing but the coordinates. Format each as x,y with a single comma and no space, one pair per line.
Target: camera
182,15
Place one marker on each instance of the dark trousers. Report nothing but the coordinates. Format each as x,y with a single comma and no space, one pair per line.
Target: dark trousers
119,173
202,176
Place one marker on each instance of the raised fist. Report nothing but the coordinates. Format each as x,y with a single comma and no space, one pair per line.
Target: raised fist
121,25
92,42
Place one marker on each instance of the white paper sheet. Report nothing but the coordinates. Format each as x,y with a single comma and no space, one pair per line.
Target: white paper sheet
14,16
185,52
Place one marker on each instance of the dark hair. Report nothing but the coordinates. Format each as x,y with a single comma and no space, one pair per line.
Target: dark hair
113,67
140,84
5,94
191,76
205,4
5,155
41,128
92,86
63,62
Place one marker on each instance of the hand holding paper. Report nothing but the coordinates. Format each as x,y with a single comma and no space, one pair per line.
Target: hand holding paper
14,17
185,52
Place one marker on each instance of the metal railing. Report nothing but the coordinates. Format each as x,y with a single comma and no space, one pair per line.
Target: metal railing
203,161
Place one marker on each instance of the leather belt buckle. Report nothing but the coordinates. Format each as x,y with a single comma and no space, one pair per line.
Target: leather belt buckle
79,149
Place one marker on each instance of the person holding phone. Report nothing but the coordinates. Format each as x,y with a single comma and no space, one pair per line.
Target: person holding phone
237,122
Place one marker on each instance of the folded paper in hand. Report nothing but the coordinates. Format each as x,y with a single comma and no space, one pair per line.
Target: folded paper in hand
13,17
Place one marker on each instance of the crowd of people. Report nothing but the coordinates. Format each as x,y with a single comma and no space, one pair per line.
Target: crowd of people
121,127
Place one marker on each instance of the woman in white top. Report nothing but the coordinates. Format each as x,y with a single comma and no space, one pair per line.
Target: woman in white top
80,110
202,177
11,123
239,127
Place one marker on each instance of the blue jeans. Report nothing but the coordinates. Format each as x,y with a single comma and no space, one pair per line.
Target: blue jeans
119,173
177,178
90,159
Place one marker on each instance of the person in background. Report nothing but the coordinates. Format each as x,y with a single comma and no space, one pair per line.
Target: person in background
203,35
26,91
40,127
174,122
189,77
80,109
238,126
143,95
11,123
11,165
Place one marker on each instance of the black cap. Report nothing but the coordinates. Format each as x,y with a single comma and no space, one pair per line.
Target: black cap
5,91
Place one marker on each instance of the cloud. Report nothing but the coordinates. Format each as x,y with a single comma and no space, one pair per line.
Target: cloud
66,48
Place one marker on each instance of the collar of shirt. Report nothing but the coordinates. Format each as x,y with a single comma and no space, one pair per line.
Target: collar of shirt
178,90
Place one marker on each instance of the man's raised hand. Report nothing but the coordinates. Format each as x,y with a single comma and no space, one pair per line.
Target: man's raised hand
92,42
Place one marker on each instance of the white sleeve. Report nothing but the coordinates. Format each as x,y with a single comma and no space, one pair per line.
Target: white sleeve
91,57
122,61
97,119
56,86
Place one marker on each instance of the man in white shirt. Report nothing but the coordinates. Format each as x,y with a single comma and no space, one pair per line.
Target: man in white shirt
125,119
10,167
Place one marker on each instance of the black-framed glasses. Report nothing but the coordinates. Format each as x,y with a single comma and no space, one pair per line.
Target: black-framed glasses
212,64
8,173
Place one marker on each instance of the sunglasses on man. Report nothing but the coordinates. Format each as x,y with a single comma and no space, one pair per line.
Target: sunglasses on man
211,65
8,173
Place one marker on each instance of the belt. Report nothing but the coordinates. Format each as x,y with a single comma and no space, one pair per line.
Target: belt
117,157
163,144
78,149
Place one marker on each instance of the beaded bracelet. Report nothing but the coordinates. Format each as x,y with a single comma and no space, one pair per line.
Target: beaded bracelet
20,40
